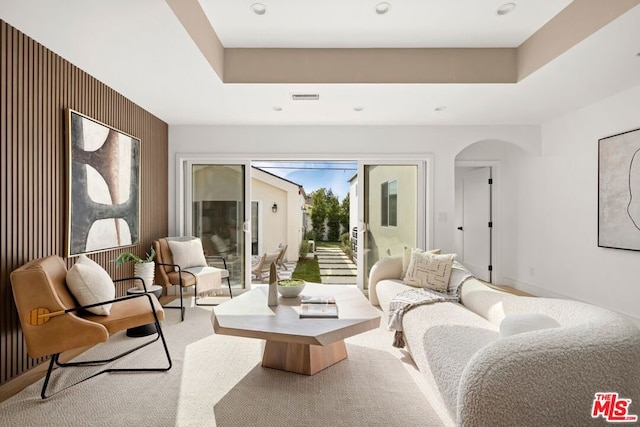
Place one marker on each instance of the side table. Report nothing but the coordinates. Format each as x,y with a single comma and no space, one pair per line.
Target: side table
144,330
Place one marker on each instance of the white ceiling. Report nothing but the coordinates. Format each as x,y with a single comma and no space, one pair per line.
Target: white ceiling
140,49
354,23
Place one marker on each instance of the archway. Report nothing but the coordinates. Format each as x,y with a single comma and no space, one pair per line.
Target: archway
478,187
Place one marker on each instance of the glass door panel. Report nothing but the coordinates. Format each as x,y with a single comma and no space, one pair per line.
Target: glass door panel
218,210
391,217
255,221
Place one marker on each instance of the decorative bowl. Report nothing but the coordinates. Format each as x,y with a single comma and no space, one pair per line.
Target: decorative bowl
290,288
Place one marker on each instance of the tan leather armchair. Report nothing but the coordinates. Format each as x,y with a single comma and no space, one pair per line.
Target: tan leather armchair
53,322
168,273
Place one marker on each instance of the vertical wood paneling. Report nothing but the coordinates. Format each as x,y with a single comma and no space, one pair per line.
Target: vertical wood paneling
36,86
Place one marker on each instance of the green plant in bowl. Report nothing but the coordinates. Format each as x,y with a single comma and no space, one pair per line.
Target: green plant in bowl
290,288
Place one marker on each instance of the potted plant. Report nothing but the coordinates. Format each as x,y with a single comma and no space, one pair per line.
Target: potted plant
290,288
142,267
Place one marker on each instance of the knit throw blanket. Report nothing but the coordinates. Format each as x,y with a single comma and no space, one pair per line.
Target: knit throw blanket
207,278
405,301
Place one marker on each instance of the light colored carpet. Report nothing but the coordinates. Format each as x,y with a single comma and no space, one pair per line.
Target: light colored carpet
218,380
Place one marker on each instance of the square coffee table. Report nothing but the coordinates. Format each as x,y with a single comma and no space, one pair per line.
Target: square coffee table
303,346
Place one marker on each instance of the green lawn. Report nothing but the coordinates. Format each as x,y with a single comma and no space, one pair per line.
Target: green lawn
328,244
307,270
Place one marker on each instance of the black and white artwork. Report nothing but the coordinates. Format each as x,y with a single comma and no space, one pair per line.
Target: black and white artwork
104,179
619,191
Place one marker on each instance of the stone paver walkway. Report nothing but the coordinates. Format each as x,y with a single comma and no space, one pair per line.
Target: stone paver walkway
335,267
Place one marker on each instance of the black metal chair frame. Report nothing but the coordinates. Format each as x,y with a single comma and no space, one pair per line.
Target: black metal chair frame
195,285
55,357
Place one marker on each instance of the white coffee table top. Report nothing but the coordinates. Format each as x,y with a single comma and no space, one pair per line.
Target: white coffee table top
248,315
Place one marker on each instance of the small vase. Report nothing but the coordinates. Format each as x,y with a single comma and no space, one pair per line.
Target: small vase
146,271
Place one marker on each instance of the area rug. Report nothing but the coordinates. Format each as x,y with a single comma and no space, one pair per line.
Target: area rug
217,380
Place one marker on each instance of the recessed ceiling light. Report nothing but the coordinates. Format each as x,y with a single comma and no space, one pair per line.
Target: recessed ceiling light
277,108
259,8
505,9
440,108
382,8
358,108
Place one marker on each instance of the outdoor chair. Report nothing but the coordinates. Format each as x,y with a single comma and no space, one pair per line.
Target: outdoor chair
184,269
280,261
262,268
53,321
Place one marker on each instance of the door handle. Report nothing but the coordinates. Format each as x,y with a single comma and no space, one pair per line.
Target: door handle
245,226
460,228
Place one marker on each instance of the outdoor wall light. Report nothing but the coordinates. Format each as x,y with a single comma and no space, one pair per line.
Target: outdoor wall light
274,208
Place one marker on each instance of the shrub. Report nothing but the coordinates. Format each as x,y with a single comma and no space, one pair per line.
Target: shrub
345,238
348,251
310,235
304,249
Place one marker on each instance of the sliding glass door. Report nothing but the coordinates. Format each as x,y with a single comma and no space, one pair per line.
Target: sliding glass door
391,211
216,205
216,209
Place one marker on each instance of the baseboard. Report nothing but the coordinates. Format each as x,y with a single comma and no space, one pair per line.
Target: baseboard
33,375
545,293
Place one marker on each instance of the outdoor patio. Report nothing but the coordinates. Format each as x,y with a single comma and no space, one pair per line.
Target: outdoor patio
336,268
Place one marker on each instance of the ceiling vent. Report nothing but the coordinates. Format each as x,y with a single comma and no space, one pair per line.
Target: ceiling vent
305,96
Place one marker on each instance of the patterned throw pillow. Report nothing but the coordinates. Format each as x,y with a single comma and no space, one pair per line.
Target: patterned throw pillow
406,257
429,271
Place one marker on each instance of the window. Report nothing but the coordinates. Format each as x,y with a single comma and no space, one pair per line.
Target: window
389,203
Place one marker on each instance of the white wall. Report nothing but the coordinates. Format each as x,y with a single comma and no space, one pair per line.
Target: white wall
548,195
551,248
285,226
349,143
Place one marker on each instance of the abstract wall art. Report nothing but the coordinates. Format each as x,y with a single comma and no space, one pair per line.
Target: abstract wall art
619,191
103,185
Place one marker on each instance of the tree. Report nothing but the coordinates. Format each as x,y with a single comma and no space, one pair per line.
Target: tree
319,212
344,213
333,216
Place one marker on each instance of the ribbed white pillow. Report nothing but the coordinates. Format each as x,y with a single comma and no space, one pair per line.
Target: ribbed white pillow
525,322
90,284
187,253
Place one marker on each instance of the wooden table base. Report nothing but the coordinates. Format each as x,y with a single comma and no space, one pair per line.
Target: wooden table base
304,359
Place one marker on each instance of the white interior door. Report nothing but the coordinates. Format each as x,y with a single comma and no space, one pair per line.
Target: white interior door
476,222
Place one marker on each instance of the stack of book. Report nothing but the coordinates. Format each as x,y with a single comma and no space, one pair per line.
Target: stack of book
314,307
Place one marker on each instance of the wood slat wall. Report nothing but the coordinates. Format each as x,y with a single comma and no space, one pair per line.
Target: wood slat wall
36,86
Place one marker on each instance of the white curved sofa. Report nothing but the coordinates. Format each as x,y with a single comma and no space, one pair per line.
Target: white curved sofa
546,377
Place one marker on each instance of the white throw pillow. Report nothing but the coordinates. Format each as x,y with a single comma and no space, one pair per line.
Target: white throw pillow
406,257
459,274
427,270
90,284
525,322
83,259
187,253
